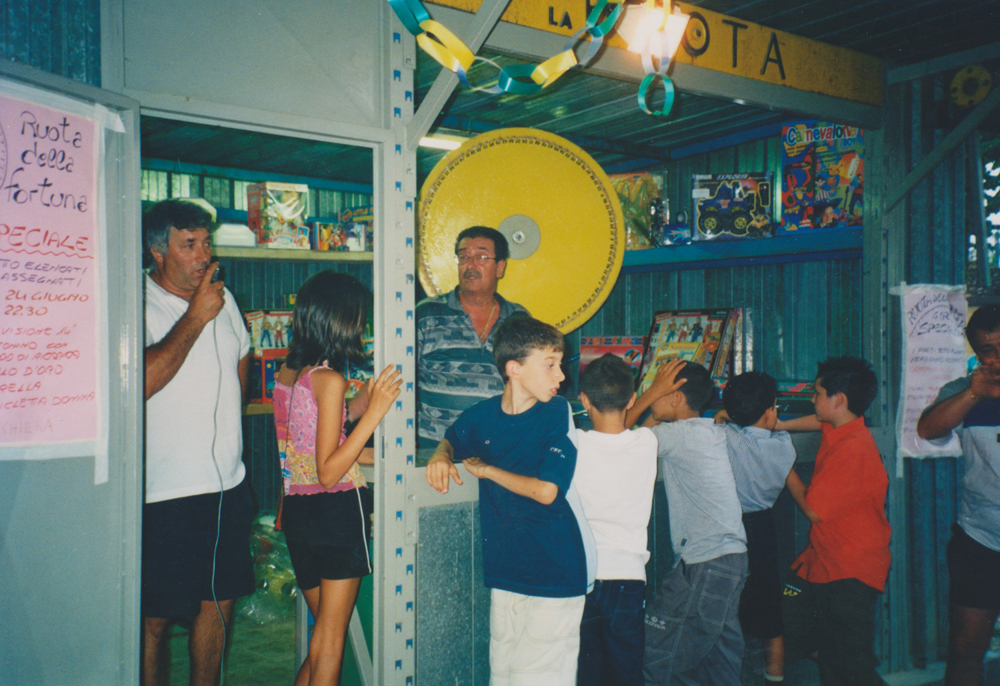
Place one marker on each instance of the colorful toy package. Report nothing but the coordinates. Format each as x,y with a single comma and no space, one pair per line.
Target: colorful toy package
702,336
269,330
641,198
277,213
629,348
823,176
732,206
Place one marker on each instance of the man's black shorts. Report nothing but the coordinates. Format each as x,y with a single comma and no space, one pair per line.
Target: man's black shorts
760,602
974,570
178,549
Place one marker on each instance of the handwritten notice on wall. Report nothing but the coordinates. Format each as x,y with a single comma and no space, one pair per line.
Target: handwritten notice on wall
48,298
934,354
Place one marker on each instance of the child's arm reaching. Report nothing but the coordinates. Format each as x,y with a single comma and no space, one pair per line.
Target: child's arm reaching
664,384
441,467
334,458
805,423
544,492
798,490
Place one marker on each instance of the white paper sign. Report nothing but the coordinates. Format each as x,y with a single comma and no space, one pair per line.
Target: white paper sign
933,354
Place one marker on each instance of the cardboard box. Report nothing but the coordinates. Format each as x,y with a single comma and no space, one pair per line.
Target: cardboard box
262,373
355,237
269,330
276,213
328,236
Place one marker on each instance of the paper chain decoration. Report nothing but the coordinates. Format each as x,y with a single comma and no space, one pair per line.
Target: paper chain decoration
524,79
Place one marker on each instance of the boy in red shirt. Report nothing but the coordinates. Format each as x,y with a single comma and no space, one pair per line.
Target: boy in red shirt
828,607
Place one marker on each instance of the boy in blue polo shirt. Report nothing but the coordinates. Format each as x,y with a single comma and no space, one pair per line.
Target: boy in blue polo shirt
538,551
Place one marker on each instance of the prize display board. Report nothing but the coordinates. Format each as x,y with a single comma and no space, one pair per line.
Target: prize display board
705,337
556,206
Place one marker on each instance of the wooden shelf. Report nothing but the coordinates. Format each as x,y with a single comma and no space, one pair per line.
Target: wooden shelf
284,254
257,408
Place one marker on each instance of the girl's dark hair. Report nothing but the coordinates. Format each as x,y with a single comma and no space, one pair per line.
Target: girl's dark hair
331,313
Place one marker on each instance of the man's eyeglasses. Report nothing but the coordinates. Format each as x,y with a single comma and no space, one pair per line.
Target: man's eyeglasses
475,259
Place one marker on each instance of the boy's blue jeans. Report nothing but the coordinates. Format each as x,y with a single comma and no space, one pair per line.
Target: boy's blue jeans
693,631
612,633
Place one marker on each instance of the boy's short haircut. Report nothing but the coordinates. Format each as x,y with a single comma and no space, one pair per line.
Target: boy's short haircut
851,376
748,396
501,250
608,383
986,319
517,337
699,391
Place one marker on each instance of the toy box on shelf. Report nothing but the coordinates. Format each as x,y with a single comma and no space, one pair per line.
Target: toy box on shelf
263,369
269,329
357,224
706,337
629,348
276,213
644,207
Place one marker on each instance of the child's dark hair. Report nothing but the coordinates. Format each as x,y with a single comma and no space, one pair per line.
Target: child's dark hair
748,396
608,383
986,319
851,376
174,213
331,313
518,336
699,390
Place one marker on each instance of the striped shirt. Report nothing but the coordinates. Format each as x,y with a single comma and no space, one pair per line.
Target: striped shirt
455,370
761,461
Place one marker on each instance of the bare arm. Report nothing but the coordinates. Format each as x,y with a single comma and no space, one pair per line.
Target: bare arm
333,458
164,359
441,467
798,490
544,492
664,384
941,419
805,423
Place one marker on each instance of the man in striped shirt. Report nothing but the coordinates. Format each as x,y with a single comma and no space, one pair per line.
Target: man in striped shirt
762,461
455,367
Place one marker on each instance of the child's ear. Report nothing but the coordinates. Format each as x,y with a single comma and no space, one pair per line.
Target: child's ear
513,368
630,403
585,401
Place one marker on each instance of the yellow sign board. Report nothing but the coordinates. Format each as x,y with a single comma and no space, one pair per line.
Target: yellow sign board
724,44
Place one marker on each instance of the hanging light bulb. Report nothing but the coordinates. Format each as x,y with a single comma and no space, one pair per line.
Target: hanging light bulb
658,32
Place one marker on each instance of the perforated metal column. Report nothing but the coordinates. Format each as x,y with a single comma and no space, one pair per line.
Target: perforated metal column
395,589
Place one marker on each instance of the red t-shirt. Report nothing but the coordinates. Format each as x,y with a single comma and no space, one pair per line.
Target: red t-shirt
847,491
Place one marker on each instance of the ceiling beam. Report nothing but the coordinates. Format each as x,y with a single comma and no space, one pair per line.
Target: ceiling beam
937,65
536,45
475,30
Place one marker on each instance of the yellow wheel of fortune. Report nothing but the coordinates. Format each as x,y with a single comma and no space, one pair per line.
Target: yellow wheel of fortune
554,204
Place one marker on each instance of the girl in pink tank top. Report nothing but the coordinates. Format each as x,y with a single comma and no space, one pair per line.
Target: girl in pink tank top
327,506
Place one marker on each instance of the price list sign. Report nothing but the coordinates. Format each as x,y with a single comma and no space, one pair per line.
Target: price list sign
48,296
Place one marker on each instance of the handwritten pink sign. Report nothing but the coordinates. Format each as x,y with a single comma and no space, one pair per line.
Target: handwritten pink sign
48,297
